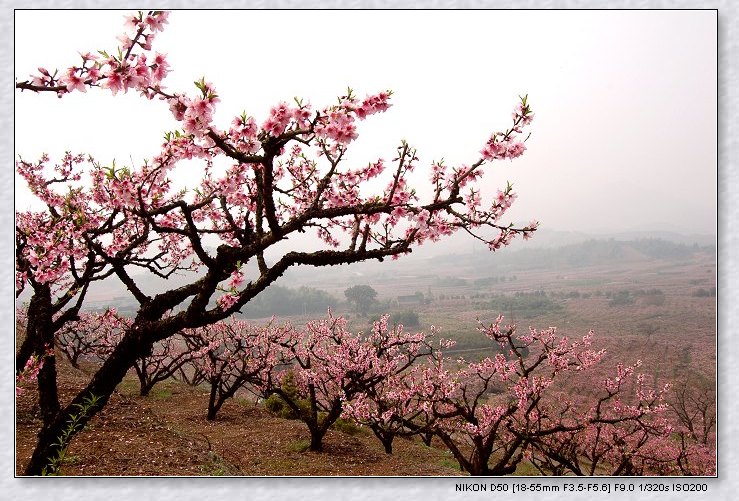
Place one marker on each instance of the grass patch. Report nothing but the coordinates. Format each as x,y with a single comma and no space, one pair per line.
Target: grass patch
347,427
448,461
299,445
243,402
128,386
524,468
215,467
70,460
160,393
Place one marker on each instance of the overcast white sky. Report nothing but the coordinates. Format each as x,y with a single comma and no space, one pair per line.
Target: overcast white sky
625,101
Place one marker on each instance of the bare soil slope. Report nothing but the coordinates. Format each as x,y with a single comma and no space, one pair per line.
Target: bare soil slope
166,433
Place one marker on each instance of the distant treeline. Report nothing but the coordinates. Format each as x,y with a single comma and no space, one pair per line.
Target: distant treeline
526,304
408,318
276,300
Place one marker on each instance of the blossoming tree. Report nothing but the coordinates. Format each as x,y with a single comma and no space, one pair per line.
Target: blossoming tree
234,354
93,335
332,366
53,260
287,174
496,413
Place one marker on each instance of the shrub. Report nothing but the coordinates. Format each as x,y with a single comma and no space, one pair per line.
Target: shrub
705,293
407,318
277,405
655,300
621,298
346,426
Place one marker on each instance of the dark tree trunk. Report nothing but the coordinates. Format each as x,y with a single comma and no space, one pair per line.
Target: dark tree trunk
388,444
39,336
30,343
220,398
102,385
464,464
38,327
144,386
318,430
316,438
213,404
385,437
48,395
426,438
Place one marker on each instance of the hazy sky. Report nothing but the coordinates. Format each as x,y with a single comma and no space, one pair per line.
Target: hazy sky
625,101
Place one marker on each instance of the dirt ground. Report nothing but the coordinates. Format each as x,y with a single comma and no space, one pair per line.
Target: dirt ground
166,433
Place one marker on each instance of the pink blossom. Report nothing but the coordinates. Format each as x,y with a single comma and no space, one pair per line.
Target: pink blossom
157,20
113,81
160,67
73,81
227,300
236,280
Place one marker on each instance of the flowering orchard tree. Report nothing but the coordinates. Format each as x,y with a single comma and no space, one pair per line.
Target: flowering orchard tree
93,336
693,402
53,254
96,335
394,405
232,354
496,413
611,436
166,358
287,174
190,373
390,409
331,366
53,259
693,408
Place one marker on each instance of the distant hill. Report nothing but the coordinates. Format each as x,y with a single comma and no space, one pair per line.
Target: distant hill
547,249
548,238
587,253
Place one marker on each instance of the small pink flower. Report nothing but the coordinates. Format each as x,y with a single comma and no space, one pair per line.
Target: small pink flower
73,81
113,81
227,300
131,23
237,278
157,21
160,67
125,41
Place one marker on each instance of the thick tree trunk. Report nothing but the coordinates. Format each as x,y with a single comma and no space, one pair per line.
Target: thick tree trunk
30,343
316,439
464,464
144,386
101,386
39,336
318,430
213,404
385,437
426,438
48,395
388,444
